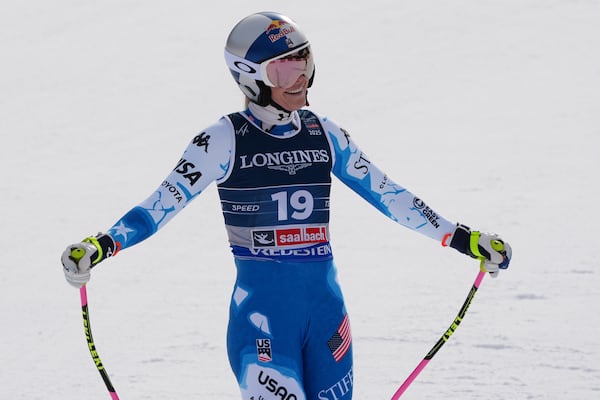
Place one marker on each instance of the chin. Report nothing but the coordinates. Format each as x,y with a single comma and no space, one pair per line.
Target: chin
297,102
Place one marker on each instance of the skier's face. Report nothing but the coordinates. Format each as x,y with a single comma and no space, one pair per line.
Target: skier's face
292,98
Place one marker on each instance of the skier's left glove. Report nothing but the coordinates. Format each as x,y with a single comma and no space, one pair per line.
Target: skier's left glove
493,252
78,259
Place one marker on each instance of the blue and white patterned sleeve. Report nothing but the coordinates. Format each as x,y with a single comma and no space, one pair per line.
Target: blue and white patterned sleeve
206,159
355,170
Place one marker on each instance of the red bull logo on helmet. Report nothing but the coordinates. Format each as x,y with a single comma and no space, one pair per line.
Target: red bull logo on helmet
283,28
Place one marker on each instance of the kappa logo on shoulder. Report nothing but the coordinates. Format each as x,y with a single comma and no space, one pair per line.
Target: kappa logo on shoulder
202,141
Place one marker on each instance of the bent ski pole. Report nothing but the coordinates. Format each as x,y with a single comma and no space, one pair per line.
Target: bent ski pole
92,346
444,338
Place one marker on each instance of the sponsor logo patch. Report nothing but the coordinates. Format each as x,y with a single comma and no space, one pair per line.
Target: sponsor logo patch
283,237
427,212
263,349
287,161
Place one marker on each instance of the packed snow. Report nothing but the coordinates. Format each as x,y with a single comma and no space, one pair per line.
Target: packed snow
489,110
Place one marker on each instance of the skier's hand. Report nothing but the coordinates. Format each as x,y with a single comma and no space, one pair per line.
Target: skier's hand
493,252
79,258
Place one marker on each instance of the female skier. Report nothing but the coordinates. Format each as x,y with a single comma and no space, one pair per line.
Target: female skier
288,335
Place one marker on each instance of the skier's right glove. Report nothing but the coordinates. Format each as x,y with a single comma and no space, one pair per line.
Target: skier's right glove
489,248
78,259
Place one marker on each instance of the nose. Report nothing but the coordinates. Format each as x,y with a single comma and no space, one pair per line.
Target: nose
301,81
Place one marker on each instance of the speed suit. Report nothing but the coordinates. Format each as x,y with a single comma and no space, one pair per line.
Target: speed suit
289,336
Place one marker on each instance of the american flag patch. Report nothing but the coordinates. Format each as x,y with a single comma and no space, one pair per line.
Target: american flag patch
339,343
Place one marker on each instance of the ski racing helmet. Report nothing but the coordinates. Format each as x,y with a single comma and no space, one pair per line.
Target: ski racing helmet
265,50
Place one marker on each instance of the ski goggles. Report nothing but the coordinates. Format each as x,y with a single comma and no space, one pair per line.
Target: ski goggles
281,71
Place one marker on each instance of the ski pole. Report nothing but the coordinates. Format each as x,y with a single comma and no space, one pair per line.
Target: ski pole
92,346
445,336
77,254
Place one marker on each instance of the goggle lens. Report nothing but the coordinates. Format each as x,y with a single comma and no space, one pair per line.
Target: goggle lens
284,72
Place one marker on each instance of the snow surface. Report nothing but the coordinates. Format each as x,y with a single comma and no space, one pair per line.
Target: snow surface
487,109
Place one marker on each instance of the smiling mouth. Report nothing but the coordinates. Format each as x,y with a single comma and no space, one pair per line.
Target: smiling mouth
295,91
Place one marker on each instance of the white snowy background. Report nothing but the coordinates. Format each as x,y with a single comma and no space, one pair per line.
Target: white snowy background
487,109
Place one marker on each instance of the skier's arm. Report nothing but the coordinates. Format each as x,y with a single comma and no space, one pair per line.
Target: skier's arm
205,160
355,169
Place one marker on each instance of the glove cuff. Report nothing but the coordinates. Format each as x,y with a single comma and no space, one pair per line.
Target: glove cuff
105,246
461,240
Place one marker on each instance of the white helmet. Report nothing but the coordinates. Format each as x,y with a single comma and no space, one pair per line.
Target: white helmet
265,50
